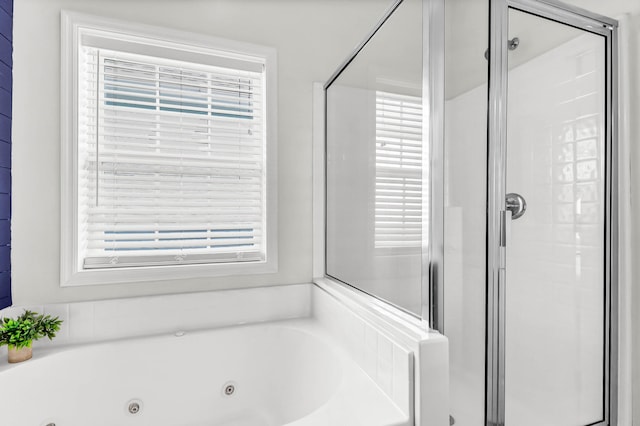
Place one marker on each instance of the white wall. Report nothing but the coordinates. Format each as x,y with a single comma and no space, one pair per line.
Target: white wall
312,37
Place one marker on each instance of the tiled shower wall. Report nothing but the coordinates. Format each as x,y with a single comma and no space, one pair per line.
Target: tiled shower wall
555,261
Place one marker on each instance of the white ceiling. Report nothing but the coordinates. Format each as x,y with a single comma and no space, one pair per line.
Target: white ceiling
467,37
610,8
396,52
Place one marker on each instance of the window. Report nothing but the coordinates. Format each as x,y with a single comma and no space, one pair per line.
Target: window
172,154
399,169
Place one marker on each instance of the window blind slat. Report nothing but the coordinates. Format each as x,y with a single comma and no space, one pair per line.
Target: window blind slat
129,228
161,179
384,141
119,156
115,189
119,166
127,192
242,68
215,144
171,235
165,243
164,116
168,104
202,149
125,259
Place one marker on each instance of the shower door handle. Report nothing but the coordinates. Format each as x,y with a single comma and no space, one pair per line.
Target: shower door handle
516,204
505,234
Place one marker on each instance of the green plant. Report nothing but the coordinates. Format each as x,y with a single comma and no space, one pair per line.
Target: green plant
23,330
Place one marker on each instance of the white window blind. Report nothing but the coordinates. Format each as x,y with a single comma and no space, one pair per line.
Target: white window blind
171,161
399,169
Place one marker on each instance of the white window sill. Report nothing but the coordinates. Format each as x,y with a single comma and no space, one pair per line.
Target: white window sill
161,273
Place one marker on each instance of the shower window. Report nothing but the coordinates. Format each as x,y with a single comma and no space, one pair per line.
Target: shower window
171,147
378,175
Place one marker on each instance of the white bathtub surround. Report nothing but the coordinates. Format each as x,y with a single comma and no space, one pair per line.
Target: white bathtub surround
377,336
286,373
322,360
144,316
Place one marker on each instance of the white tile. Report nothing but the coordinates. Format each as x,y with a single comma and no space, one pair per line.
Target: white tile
10,312
81,322
384,377
165,304
133,307
324,311
105,326
342,318
433,397
60,310
206,317
402,378
105,309
356,339
319,308
371,352
15,311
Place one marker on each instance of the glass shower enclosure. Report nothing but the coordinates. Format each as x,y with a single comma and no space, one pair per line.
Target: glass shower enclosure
471,183
551,280
379,168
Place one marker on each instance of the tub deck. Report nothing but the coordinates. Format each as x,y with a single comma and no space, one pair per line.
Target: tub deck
290,372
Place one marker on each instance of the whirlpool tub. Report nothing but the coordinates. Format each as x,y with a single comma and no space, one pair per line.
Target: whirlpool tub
280,373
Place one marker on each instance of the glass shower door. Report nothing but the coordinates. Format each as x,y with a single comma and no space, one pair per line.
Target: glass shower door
555,293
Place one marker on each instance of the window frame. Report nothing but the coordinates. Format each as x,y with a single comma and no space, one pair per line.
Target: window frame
73,25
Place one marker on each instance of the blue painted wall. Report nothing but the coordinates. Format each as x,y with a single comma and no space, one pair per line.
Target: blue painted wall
6,66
